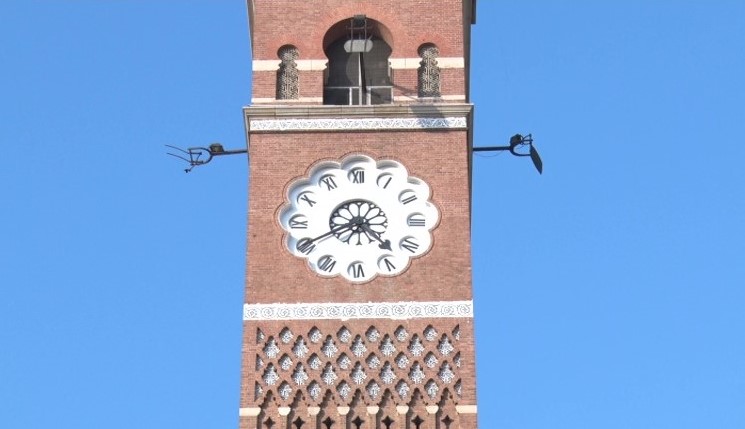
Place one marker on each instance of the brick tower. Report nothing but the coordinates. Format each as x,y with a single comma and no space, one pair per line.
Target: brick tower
358,310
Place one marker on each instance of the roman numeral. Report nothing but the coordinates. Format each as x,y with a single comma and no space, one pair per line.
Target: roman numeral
329,182
409,244
407,197
298,222
307,199
356,270
306,246
357,176
389,265
326,263
416,220
384,181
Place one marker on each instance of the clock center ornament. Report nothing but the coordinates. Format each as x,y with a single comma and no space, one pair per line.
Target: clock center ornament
358,218
359,222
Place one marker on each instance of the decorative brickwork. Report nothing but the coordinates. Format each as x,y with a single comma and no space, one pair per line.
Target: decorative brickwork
353,310
428,73
362,363
287,75
343,124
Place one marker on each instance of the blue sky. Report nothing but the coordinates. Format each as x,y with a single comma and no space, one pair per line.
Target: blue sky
609,290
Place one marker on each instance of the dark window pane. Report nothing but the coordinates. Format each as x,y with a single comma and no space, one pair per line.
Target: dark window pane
376,63
343,67
345,70
381,96
336,96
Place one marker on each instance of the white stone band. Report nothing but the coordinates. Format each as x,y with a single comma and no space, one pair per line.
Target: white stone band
358,310
415,63
313,411
396,98
396,63
343,124
271,100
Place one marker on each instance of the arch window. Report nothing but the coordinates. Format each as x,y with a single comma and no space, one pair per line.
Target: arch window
358,70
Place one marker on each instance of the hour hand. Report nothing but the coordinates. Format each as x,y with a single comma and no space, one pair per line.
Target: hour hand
384,244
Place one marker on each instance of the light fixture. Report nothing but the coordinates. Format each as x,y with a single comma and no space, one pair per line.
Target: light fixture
195,154
516,143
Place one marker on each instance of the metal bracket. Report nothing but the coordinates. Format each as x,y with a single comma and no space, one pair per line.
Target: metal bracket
195,154
518,141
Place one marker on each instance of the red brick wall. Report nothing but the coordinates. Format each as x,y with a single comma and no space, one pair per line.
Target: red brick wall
408,24
437,157
304,23
443,274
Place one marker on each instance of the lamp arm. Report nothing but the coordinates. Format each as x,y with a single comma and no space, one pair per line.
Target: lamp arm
492,148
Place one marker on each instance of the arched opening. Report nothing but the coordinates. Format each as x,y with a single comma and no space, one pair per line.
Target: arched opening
358,70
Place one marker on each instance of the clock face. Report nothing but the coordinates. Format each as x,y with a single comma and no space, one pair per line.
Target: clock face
358,218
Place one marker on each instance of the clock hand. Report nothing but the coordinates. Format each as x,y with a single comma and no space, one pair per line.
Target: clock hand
333,230
306,245
383,244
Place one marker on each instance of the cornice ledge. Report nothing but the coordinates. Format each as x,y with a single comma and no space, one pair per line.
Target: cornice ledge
349,112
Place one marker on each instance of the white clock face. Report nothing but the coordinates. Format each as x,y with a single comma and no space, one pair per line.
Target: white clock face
358,218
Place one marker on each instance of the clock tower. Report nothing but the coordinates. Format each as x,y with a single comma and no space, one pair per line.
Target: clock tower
358,310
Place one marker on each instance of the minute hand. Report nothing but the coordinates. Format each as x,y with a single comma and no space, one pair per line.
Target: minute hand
333,230
383,244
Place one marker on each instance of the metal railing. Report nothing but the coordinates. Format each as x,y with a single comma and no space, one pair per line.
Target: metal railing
357,95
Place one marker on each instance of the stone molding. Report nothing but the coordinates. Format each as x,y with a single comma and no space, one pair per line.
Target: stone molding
360,310
409,110
341,124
